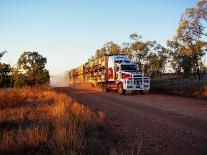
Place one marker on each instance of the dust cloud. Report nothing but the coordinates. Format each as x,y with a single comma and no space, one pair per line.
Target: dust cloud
63,81
59,81
86,86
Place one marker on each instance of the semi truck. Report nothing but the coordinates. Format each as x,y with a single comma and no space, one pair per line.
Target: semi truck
111,72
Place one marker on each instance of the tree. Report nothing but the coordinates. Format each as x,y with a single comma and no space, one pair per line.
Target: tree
126,50
5,77
150,55
188,45
2,53
5,69
190,42
194,29
156,59
98,53
139,49
31,68
179,59
112,48
152,66
18,79
196,20
103,51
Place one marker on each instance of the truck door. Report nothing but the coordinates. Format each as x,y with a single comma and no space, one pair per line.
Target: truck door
117,72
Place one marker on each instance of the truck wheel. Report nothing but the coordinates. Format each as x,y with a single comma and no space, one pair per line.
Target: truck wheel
121,90
105,88
92,85
145,92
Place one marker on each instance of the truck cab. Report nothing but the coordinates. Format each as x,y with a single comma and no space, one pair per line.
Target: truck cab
124,75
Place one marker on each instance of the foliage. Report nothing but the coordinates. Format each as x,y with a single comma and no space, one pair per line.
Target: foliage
187,47
5,75
139,48
151,56
195,20
18,79
112,48
5,70
157,59
126,50
179,86
178,59
31,69
2,53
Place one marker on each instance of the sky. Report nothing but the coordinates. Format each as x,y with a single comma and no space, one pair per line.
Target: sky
68,32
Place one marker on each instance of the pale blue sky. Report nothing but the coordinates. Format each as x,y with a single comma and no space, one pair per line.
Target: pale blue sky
68,32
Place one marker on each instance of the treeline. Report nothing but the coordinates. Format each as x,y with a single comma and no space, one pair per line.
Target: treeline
29,71
151,56
184,53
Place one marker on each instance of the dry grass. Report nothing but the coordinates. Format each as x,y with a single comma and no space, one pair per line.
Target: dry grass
202,92
42,121
180,86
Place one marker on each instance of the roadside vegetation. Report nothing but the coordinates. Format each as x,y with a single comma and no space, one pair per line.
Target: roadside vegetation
176,85
29,71
42,121
35,119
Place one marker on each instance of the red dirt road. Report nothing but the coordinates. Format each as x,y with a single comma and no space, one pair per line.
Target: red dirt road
164,124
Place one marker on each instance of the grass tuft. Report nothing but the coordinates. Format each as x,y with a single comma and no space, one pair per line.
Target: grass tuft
42,121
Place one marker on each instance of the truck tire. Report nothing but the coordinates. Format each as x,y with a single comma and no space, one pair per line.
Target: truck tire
92,85
121,90
105,88
145,92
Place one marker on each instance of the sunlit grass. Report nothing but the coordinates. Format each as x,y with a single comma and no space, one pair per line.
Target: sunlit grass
42,121
201,92
180,86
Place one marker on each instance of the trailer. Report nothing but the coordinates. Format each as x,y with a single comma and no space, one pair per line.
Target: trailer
111,72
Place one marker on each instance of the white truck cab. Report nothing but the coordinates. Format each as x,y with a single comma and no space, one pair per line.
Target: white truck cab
126,75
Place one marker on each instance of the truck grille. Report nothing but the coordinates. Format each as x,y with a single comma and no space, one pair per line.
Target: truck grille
136,82
138,76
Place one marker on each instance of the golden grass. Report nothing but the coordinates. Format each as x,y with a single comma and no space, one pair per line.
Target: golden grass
42,121
201,92
180,86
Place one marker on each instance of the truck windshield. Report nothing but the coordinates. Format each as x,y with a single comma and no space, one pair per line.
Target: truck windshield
129,68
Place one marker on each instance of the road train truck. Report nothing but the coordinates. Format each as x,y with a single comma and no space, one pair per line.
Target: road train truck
111,72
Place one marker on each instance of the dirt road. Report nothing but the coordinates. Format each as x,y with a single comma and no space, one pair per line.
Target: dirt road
164,124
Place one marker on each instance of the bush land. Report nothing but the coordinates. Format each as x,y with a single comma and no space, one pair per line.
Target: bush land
188,87
42,121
